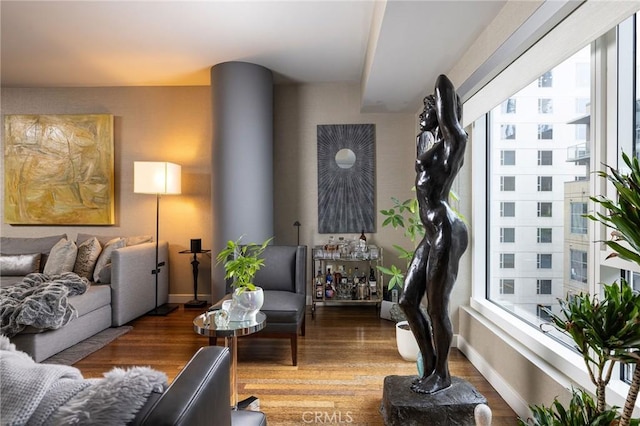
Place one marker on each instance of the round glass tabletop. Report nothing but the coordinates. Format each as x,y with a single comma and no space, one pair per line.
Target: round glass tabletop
208,327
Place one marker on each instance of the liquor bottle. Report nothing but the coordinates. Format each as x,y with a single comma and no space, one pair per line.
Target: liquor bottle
373,285
319,285
351,284
362,241
328,292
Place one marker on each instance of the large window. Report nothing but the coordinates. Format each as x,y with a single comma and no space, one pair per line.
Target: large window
585,109
538,258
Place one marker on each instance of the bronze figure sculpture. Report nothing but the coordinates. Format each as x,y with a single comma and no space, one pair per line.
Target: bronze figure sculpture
434,267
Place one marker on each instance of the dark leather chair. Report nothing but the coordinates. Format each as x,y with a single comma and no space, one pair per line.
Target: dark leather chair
283,280
199,395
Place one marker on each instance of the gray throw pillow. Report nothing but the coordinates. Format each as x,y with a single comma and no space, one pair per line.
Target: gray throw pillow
62,258
17,265
105,256
88,253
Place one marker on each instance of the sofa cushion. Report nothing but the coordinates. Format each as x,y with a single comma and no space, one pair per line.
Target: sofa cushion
19,264
95,297
62,258
88,253
20,245
283,306
105,257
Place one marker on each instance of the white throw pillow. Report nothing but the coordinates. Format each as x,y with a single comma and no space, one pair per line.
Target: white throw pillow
105,256
88,253
62,258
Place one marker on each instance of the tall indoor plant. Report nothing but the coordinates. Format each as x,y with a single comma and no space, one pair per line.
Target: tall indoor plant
241,263
608,330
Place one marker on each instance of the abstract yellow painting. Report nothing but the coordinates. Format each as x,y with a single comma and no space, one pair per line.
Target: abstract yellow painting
58,169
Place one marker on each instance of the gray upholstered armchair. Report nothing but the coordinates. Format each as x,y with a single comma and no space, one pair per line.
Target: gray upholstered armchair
283,280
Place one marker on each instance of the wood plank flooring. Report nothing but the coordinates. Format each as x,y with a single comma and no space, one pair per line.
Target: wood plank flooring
342,362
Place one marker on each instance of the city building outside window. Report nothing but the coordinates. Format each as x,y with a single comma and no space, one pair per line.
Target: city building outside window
507,286
507,235
544,235
545,183
508,131
578,220
544,260
545,131
578,266
546,79
508,158
507,209
507,260
543,287
507,183
545,158
545,106
545,209
509,106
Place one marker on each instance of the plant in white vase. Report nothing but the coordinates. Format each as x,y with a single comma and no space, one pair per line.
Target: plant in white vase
241,263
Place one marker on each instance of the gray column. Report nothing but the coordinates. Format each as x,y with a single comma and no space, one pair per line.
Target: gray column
242,156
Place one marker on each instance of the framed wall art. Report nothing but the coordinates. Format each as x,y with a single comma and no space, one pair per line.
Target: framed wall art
346,178
58,170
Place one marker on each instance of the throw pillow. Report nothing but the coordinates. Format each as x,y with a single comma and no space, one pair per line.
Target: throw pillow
105,274
19,264
87,257
139,239
62,258
105,257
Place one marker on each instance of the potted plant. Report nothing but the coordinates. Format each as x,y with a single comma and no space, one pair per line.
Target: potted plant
241,263
608,330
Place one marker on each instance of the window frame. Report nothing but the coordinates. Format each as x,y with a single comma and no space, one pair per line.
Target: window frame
539,346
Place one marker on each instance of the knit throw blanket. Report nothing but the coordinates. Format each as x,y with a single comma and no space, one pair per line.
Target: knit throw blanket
41,301
49,394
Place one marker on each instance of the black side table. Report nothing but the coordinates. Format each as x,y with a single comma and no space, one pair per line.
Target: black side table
195,303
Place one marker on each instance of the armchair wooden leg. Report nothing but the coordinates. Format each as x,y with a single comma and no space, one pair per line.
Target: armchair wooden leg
302,331
294,349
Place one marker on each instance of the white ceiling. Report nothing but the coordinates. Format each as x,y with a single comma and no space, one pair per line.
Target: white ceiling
397,47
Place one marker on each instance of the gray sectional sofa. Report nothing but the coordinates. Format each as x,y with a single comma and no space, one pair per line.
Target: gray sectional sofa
125,290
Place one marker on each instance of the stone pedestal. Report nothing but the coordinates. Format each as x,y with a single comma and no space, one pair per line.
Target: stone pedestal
453,406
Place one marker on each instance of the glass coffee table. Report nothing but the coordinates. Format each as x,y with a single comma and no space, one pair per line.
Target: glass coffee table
206,326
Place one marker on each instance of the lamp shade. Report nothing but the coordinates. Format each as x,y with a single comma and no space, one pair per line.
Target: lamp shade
151,177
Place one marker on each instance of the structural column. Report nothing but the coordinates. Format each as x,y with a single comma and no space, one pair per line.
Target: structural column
242,156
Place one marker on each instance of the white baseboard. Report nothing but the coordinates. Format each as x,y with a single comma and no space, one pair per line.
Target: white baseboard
510,396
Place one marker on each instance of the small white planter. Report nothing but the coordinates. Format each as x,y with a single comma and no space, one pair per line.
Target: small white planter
407,345
246,304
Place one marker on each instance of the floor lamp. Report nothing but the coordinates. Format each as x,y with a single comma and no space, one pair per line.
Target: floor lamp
160,178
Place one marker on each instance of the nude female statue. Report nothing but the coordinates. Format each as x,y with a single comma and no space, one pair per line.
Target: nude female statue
434,267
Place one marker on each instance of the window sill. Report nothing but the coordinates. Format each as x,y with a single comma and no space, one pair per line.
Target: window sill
560,363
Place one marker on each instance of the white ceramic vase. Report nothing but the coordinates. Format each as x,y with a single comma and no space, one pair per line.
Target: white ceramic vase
246,304
406,341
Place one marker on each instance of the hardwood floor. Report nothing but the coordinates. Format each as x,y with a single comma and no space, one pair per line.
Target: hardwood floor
342,362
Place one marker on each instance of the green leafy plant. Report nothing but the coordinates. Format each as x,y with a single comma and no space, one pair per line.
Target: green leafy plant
623,215
604,331
242,262
582,411
608,330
